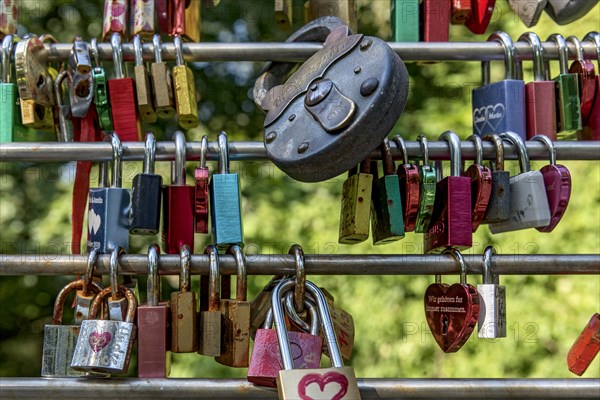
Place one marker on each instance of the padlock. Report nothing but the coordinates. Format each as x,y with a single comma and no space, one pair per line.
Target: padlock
162,83
529,11
10,17
428,181
116,304
210,307
109,207
265,362
313,131
184,309
450,224
122,96
65,128
35,83
146,194
59,340
115,19
587,79
591,130
498,208
154,358
405,20
568,108
566,11
185,19
81,92
185,90
201,196
105,346
85,296
528,200
260,306
500,106
162,15
435,20
492,301
282,11
345,10
225,201
387,222
235,331
8,93
481,184
539,94
294,383
100,90
460,11
143,89
355,214
178,203
557,180
452,310
141,18
410,187
585,348
481,14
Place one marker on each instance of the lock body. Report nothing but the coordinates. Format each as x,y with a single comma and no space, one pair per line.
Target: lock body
435,20
101,99
481,14
154,359
568,107
142,18
225,209
492,313
529,11
498,208
162,83
541,109
115,20
410,190
143,92
428,183
585,348
355,214
184,336
201,197
59,345
122,102
8,100
108,219
178,218
146,195
405,20
481,190
460,11
387,220
557,181
235,332
500,107
185,97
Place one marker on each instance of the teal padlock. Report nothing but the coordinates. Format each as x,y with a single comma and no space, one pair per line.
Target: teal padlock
8,93
405,20
225,202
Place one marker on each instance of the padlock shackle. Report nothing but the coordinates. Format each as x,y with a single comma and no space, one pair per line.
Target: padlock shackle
214,296
578,47
80,59
486,264
123,291
299,277
389,168
594,37
563,54
460,260
7,47
422,139
521,149
498,164
178,175
534,41
455,155
549,144
401,147
509,57
185,274
157,48
94,52
313,327
223,153
138,52
117,55
203,151
117,156
153,282
325,318
114,271
178,50
59,303
58,92
478,148
88,278
241,290
149,153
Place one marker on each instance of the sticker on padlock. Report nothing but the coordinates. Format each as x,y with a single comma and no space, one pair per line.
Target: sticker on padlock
452,310
146,194
314,128
492,301
184,309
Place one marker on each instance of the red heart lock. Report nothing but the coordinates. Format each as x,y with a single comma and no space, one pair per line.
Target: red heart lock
481,13
451,313
99,340
323,380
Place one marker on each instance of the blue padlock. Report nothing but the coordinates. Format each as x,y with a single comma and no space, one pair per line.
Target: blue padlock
109,207
225,203
500,107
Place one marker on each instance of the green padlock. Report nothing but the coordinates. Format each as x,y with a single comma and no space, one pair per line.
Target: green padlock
355,216
100,90
387,219
428,177
405,20
225,203
8,93
568,110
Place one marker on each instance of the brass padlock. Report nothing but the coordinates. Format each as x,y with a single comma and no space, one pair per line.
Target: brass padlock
185,90
355,214
162,82
210,312
184,336
143,89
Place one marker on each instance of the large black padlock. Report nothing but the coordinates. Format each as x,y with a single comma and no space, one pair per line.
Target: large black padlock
146,195
336,108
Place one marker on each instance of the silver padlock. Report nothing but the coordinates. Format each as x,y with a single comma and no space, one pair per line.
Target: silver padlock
105,346
528,10
529,206
59,340
492,301
566,11
85,297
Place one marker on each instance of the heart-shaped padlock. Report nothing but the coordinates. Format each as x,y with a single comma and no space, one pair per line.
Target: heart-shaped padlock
336,108
452,310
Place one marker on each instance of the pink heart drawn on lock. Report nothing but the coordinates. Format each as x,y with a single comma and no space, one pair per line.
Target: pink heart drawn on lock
322,381
99,340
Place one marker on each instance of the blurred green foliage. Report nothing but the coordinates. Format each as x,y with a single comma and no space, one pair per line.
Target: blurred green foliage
545,313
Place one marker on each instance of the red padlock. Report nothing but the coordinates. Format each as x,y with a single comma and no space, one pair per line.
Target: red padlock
162,15
481,13
410,187
481,184
587,79
202,177
435,22
591,129
586,347
122,96
460,12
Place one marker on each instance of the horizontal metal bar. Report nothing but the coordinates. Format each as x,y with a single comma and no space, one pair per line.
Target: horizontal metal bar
255,151
282,264
27,388
281,51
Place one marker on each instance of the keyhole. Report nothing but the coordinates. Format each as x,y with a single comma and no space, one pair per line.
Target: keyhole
40,82
444,325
